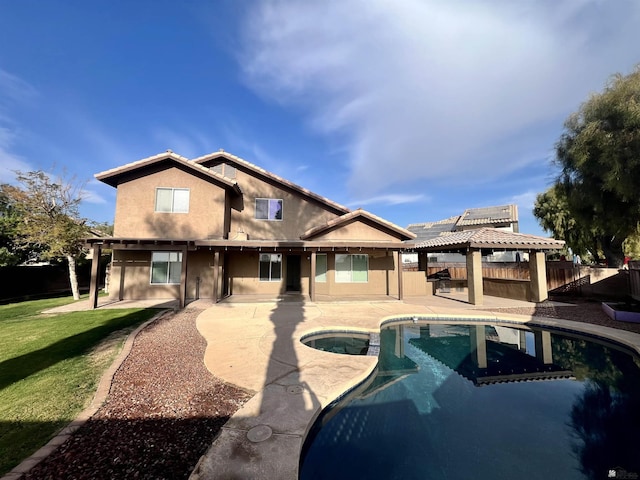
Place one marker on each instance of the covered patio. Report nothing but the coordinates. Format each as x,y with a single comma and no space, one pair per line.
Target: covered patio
208,267
472,243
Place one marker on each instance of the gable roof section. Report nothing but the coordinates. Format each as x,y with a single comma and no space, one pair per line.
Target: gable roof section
355,215
239,162
115,175
489,238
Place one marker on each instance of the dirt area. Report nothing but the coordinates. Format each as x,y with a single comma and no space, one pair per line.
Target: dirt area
162,413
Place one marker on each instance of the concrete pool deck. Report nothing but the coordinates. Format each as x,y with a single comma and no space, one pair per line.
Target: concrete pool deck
256,346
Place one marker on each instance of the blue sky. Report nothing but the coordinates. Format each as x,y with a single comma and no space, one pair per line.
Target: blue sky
413,110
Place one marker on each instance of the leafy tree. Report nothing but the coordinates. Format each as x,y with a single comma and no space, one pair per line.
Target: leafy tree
50,220
10,251
599,159
632,246
551,208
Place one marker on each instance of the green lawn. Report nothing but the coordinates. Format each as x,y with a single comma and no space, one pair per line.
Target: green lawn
50,366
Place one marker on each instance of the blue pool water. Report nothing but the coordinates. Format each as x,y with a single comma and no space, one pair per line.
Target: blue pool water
487,402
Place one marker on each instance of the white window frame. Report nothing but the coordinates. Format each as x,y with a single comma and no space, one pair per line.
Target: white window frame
173,200
321,274
269,200
173,261
340,276
272,257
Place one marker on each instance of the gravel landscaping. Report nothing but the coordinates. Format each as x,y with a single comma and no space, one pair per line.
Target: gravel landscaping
162,413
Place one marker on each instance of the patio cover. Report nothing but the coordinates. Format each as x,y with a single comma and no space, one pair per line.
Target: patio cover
472,242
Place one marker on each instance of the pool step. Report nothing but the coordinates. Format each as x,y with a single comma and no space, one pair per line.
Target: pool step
374,345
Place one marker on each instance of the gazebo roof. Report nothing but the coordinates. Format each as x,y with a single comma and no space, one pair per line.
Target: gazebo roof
488,238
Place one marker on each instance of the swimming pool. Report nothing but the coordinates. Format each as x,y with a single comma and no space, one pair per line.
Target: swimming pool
461,401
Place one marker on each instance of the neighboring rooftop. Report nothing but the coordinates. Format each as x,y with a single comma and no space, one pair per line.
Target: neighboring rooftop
502,216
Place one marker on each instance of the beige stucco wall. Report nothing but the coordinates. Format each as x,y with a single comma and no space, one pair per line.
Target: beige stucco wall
135,215
507,288
131,273
357,230
200,265
382,276
242,269
136,283
298,214
414,284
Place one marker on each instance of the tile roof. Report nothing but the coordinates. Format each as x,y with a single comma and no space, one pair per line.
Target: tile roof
406,234
261,171
490,238
112,176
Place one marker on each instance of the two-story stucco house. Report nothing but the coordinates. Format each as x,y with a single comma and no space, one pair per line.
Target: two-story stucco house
218,225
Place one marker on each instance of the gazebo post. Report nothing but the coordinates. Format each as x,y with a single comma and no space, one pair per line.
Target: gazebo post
474,276
538,273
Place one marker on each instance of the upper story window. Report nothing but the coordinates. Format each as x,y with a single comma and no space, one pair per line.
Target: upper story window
172,200
268,209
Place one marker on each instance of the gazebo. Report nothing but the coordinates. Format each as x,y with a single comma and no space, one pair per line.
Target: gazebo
473,242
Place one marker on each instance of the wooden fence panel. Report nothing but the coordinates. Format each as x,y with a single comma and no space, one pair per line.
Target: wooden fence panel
560,275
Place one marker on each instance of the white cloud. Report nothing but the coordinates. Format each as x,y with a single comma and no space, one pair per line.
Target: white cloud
392,199
190,145
14,88
524,200
9,161
91,196
437,89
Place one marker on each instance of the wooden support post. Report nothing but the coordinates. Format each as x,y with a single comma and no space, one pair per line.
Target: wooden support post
95,270
400,273
312,278
216,275
183,279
